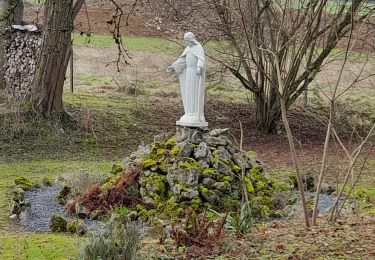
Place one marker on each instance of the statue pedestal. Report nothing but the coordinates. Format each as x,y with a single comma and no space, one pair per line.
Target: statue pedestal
190,134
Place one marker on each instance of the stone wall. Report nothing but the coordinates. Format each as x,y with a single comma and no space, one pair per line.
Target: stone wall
22,44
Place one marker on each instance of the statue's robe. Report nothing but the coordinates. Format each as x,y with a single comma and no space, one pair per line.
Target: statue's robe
192,85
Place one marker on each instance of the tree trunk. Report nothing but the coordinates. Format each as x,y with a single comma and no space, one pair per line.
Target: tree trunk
268,111
52,61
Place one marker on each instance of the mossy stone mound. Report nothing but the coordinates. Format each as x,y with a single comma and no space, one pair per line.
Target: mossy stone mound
23,183
58,224
197,169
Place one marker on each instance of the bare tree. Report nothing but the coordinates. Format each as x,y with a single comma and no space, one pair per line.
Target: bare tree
53,57
295,36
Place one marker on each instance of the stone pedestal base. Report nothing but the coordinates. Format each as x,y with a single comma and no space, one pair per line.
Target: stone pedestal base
190,134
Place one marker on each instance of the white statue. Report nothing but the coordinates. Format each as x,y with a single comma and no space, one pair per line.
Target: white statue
190,68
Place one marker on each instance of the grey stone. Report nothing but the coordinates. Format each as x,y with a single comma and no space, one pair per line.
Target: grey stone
147,173
214,141
162,137
189,134
327,189
187,149
210,196
46,182
232,149
80,211
187,177
205,162
190,194
13,217
148,200
201,151
218,132
15,208
241,160
18,194
208,182
222,186
229,176
222,168
222,153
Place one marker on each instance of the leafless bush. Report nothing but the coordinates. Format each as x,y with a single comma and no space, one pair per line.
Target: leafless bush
86,120
81,181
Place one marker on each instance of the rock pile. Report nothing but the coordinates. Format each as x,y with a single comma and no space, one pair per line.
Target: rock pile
197,168
20,59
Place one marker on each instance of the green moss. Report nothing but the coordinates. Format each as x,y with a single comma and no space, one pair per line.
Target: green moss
161,152
176,150
77,227
260,185
203,189
158,182
171,142
163,168
147,164
229,203
249,185
236,168
112,182
189,163
152,212
215,152
252,154
23,183
183,187
226,179
116,168
196,203
58,224
63,195
210,172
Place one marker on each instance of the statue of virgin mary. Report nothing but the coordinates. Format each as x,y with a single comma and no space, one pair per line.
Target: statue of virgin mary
190,68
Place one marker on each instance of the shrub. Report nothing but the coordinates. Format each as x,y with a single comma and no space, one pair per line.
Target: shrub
200,234
81,181
119,242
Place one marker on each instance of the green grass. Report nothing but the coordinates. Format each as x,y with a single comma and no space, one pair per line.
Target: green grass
137,43
38,246
92,80
131,43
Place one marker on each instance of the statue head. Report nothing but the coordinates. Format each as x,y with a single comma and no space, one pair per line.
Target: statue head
189,39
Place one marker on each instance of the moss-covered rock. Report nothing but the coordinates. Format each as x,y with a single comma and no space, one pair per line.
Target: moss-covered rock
116,168
58,224
195,169
64,195
46,182
77,227
18,194
148,164
23,183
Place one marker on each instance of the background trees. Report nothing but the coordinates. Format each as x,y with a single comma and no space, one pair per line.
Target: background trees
289,38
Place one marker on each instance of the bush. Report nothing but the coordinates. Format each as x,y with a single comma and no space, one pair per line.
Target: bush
81,181
119,242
